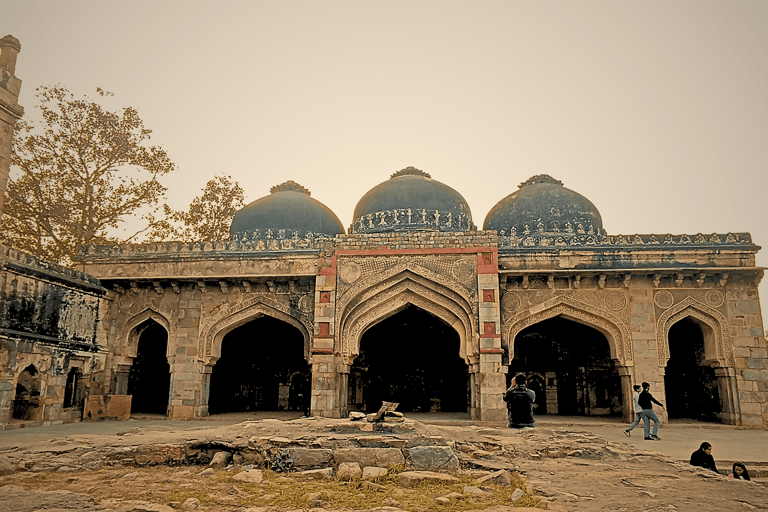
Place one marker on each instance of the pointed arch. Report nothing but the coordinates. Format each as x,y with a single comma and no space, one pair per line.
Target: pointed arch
385,297
134,327
612,327
718,350
214,330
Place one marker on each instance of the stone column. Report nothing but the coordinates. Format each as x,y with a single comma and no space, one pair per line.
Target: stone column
729,396
10,110
492,380
627,404
327,384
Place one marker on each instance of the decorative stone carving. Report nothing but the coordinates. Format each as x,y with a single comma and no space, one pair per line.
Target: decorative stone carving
690,307
307,303
510,301
597,240
663,299
714,298
462,270
616,331
615,301
349,272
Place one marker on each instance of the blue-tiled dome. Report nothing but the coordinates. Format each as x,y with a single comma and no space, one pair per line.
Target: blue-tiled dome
411,201
288,208
543,205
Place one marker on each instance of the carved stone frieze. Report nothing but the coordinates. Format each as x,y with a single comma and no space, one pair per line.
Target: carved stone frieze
616,301
408,218
615,329
579,236
691,307
510,302
665,299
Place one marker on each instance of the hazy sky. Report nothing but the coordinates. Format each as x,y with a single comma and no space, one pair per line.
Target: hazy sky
656,111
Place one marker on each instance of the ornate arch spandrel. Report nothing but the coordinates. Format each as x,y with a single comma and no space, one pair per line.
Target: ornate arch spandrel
386,306
714,319
366,287
212,332
615,330
131,333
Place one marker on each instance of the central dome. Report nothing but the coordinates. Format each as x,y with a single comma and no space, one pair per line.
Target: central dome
411,201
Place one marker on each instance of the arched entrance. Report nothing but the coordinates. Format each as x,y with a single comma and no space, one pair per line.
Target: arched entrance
149,378
572,363
412,358
262,367
691,385
26,402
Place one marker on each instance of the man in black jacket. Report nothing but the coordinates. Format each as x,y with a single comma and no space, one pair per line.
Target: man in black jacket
703,457
520,405
644,401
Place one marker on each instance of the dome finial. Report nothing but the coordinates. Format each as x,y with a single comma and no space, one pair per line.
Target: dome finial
410,171
540,178
289,186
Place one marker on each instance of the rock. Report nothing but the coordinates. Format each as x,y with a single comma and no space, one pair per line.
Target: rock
517,495
381,457
648,493
220,460
454,495
308,458
280,441
315,500
130,476
433,457
502,478
393,414
354,416
414,478
442,500
6,466
207,472
476,491
349,470
17,499
191,503
481,453
319,474
366,427
371,472
391,502
251,476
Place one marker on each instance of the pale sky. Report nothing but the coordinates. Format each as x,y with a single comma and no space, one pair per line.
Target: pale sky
655,110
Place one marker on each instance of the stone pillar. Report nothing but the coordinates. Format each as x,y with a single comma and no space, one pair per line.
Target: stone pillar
551,392
627,403
328,385
10,110
328,376
202,408
491,377
729,396
119,382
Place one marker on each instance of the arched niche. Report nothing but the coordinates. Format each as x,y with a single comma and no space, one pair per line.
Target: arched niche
718,346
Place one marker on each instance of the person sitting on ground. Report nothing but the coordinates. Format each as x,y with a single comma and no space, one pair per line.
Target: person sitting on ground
638,411
520,401
740,471
703,457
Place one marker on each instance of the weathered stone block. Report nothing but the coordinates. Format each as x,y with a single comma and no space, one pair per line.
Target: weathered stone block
414,478
381,457
349,471
433,458
310,458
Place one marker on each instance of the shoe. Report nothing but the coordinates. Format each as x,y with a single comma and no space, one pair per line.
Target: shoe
657,438
627,432
649,439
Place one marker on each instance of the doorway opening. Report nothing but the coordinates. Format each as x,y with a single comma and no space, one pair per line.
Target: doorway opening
149,380
569,367
262,368
411,358
26,401
691,384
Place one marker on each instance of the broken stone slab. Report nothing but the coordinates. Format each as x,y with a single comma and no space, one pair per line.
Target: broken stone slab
355,416
207,472
381,442
433,458
6,466
349,470
318,474
371,472
385,407
220,459
442,500
250,476
191,504
501,478
414,478
381,457
309,458
476,491
517,495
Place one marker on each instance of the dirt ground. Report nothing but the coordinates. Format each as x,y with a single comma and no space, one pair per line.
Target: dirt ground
565,470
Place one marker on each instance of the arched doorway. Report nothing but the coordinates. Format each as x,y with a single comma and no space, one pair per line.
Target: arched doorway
572,363
262,368
411,358
74,389
691,384
26,402
149,379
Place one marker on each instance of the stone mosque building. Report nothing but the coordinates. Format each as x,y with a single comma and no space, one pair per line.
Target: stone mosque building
412,302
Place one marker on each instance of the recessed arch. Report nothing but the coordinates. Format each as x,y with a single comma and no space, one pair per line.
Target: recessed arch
386,298
612,327
135,325
718,349
216,328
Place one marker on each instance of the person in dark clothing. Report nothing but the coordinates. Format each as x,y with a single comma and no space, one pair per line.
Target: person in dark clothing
740,471
703,457
520,401
644,400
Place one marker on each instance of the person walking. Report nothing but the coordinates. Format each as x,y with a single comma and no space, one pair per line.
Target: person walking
645,401
520,401
703,457
638,411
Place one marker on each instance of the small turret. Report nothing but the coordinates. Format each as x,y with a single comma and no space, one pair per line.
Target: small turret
10,47
10,110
